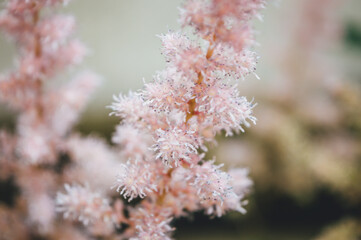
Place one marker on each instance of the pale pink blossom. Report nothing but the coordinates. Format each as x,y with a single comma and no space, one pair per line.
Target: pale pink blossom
131,109
35,143
93,159
240,181
236,64
188,103
20,6
81,203
42,212
17,92
215,191
151,222
134,144
221,18
173,44
68,102
135,180
226,109
169,91
175,145
55,30
181,197
36,154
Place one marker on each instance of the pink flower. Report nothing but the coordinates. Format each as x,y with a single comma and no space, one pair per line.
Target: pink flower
170,91
92,159
131,109
135,180
189,102
68,102
37,152
134,145
221,18
226,110
175,145
80,203
240,181
151,222
55,30
42,212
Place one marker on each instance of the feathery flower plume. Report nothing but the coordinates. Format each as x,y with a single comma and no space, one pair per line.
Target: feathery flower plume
193,99
37,154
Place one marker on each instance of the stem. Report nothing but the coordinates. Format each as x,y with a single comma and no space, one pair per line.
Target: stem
192,103
38,53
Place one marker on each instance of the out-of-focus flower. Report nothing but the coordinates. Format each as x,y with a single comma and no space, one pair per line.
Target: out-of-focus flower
346,229
34,156
93,160
82,204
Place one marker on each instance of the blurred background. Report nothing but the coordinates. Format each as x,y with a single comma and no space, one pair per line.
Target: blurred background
304,154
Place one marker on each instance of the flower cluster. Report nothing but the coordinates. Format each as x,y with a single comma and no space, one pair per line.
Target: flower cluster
82,204
46,47
135,180
35,157
168,124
